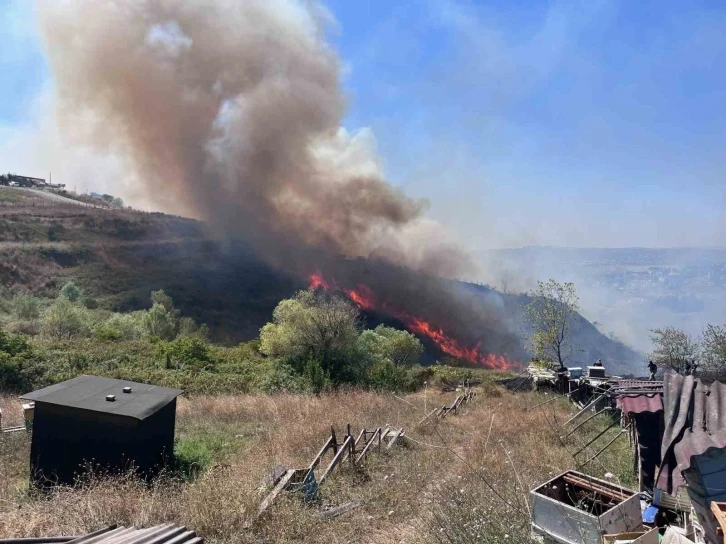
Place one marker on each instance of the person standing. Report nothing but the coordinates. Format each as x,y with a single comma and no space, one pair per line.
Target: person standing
653,368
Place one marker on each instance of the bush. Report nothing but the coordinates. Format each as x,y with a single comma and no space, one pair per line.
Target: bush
120,327
386,375
194,455
187,353
26,306
160,322
17,367
189,327
316,379
70,291
63,320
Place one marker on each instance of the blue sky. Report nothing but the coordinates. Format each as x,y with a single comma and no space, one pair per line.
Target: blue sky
597,123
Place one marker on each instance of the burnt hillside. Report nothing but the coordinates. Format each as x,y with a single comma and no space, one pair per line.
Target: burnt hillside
119,256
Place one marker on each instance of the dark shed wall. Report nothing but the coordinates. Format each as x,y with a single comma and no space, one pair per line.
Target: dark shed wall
155,442
65,440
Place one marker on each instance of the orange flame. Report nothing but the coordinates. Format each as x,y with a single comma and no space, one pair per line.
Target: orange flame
364,298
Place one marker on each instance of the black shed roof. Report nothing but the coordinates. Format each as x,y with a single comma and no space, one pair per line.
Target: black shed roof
90,392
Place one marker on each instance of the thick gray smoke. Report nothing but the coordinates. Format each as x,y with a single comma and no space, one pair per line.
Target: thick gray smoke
230,111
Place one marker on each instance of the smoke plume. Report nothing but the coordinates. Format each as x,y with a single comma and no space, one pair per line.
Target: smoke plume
231,112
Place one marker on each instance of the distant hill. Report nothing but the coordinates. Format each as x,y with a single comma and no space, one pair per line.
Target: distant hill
627,290
119,256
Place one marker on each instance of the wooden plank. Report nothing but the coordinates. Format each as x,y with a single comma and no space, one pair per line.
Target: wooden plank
14,429
376,434
357,440
587,484
338,457
338,510
432,412
282,484
584,409
319,456
719,512
396,436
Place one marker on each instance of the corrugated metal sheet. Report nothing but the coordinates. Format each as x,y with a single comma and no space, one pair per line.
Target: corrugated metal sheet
695,421
693,444
161,534
637,404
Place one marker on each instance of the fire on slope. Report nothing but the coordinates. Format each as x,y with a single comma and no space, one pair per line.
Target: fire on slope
365,299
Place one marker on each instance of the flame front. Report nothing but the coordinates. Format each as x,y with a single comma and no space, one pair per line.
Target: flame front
364,298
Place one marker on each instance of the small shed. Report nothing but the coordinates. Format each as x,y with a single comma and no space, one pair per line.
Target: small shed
104,423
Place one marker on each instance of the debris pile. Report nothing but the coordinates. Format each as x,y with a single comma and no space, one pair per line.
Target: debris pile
677,431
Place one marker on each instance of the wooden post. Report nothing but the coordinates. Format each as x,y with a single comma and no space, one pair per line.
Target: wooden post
372,439
338,456
335,442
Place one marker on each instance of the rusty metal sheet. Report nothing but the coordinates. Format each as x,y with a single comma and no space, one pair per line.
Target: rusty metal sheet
638,404
695,421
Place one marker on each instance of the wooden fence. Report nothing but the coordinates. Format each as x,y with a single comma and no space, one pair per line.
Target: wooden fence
353,449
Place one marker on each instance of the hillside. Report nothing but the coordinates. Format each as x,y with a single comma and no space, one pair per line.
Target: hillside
120,256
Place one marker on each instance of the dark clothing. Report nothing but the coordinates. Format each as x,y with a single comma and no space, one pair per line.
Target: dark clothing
653,368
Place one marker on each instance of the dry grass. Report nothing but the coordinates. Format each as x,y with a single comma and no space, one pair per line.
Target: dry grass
455,481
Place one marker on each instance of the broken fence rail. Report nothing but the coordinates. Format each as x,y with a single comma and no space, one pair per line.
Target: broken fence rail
446,410
349,449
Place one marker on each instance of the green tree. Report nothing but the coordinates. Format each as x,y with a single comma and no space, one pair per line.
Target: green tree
550,317
400,347
714,348
673,348
70,291
117,202
160,297
160,322
316,325
64,320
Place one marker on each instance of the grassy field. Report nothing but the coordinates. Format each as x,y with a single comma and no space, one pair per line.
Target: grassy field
462,479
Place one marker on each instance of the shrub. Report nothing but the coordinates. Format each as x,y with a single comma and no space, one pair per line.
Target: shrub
189,327
188,353
160,322
70,291
120,327
315,377
385,375
64,320
16,363
194,455
26,306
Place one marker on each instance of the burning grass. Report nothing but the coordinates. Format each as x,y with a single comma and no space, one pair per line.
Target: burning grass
462,479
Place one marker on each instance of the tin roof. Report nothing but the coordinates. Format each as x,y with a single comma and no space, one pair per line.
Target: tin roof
94,393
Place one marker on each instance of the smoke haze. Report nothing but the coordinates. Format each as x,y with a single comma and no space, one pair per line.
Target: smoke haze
231,112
